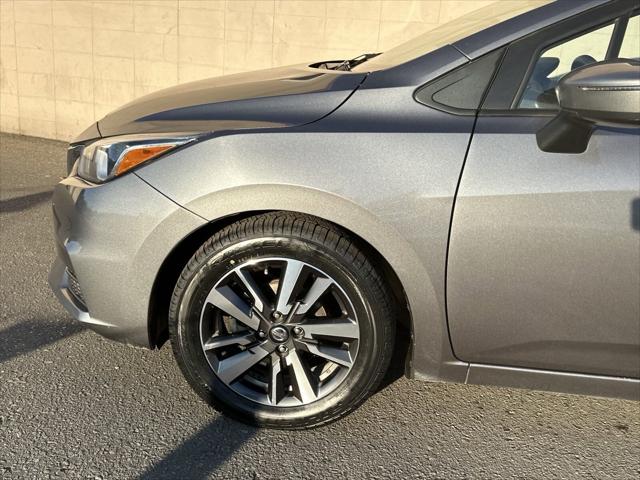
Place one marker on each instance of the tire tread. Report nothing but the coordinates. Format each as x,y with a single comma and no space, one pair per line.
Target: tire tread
317,231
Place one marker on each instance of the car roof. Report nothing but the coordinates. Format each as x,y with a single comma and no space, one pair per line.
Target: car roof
502,33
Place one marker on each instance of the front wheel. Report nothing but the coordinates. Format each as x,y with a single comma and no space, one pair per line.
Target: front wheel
279,320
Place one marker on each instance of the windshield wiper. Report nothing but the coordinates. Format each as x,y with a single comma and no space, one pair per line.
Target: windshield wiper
347,65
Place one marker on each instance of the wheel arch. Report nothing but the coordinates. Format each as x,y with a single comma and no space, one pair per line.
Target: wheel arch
171,268
430,355
173,264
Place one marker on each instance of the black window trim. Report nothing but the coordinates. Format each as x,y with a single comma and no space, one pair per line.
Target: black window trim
617,37
497,55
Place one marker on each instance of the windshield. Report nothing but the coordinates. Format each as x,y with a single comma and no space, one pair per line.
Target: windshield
451,32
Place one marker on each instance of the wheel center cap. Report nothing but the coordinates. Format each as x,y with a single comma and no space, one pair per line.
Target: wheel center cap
279,334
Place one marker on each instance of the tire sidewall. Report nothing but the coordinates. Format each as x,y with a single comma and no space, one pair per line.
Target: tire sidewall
211,268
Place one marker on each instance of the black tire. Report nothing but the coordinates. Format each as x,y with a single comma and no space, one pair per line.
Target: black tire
305,239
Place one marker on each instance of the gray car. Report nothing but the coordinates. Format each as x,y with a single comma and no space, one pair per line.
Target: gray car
470,198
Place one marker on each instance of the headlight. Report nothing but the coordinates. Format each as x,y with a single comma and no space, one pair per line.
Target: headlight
109,157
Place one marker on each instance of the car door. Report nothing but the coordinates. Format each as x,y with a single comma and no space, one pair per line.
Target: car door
544,254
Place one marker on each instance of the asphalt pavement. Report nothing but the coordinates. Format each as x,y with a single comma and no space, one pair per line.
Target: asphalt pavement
74,405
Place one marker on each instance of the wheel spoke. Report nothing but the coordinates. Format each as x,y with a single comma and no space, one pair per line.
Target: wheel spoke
288,280
246,352
276,380
301,381
320,285
226,340
229,302
333,354
231,368
345,329
259,301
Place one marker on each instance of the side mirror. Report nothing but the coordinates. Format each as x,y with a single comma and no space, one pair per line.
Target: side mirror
603,93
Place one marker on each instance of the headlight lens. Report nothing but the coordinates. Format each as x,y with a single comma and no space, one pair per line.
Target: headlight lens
109,157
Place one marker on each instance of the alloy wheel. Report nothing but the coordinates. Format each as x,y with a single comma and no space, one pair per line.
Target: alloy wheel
279,331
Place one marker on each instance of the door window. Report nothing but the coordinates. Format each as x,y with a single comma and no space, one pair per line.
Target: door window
559,60
631,42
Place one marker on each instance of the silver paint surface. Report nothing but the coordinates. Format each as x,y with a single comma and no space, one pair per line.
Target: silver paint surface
595,385
369,158
388,175
115,238
544,262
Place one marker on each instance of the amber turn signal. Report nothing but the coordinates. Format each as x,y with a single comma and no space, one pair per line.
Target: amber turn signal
137,155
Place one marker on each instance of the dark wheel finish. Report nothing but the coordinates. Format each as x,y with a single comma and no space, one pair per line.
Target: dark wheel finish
280,320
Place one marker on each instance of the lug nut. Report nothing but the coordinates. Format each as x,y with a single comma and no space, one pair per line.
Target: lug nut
276,315
261,334
298,332
282,349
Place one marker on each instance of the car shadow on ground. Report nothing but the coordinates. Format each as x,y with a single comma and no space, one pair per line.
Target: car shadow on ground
196,458
31,335
200,455
24,202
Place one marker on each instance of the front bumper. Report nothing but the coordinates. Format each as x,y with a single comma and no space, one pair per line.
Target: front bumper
60,280
111,240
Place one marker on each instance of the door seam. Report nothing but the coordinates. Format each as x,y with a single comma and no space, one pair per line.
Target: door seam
446,265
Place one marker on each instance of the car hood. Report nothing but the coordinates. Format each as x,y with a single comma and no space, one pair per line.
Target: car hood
278,97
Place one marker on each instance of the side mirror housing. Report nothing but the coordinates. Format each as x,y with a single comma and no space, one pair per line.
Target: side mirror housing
603,93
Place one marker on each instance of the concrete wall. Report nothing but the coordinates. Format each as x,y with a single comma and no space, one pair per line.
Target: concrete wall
64,64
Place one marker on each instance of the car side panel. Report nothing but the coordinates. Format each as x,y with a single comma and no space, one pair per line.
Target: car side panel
382,166
544,259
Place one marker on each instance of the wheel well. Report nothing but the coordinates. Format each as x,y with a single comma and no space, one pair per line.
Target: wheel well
174,263
170,271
